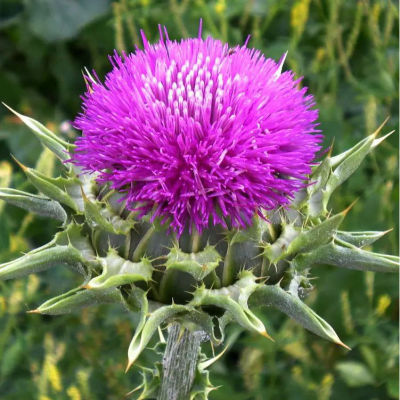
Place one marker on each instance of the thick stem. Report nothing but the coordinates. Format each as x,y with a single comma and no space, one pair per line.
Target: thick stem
180,362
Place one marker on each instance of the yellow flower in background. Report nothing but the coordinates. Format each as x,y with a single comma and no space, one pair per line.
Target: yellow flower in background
320,54
73,393
83,381
3,305
5,178
54,376
220,6
376,12
16,299
18,243
299,16
297,371
325,390
33,285
383,303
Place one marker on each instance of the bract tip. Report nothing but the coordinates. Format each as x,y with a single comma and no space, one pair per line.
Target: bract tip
22,166
265,334
346,211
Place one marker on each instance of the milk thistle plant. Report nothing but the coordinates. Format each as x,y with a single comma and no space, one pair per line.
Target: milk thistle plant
193,196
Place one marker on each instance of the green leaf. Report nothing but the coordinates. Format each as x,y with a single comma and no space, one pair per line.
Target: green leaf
75,187
121,226
273,295
319,176
78,298
98,217
277,250
151,379
54,20
199,264
339,158
39,205
317,235
233,299
348,162
360,239
348,166
243,247
315,192
73,236
293,240
50,187
203,321
252,233
46,162
48,139
139,299
41,260
355,374
119,271
348,257
158,317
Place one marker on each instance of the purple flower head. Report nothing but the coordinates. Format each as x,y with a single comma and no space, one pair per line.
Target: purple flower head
198,133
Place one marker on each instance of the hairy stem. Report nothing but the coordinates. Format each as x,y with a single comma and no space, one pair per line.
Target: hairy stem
180,362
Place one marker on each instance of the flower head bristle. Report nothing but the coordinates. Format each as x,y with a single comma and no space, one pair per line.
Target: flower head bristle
195,132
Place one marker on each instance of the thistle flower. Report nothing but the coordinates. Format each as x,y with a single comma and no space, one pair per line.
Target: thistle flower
194,135
198,132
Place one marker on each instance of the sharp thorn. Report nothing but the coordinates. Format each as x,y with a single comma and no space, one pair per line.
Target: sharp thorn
386,232
87,286
330,150
22,166
346,211
265,334
89,88
340,343
377,142
381,126
84,197
133,391
9,108
129,365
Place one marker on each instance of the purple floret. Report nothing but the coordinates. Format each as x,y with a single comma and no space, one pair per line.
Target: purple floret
198,133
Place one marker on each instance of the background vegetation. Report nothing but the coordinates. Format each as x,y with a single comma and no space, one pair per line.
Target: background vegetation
348,52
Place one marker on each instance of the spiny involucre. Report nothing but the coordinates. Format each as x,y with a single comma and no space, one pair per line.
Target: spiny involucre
193,195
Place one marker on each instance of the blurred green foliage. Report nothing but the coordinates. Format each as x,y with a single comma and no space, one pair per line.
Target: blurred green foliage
347,52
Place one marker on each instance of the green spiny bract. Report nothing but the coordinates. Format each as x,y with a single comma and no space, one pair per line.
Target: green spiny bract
206,280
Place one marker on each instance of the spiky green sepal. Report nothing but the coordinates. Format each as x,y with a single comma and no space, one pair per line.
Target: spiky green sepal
207,280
